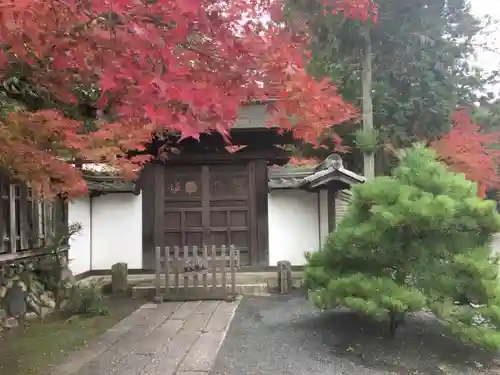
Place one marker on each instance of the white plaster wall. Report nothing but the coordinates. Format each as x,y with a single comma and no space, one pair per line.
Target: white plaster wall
294,225
116,230
79,251
111,233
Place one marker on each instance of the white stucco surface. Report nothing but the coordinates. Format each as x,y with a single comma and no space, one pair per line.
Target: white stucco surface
112,228
294,224
117,230
112,232
79,252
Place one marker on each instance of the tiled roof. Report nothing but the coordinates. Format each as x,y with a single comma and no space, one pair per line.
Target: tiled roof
110,184
287,177
331,169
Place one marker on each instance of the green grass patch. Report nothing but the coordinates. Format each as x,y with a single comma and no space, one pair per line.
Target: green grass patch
31,350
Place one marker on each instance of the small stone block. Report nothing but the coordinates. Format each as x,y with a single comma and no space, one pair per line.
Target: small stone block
119,278
10,323
284,276
149,306
158,299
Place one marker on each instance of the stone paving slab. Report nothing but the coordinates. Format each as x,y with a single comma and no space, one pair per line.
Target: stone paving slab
165,339
202,354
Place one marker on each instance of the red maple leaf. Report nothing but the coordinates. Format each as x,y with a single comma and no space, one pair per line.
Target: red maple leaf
300,161
467,149
168,65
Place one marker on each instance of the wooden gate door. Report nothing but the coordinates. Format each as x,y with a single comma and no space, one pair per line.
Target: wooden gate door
183,220
209,205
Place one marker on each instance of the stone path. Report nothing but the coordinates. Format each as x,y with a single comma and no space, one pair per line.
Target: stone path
166,339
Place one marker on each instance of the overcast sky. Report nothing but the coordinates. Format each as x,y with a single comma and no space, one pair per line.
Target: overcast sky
487,59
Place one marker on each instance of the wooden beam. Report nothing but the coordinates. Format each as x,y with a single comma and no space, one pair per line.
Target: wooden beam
12,218
24,230
215,158
331,210
159,206
4,201
262,215
148,204
10,257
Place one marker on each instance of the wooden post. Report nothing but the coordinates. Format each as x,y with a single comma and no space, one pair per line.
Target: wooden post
232,265
167,272
214,267
205,259
195,261
176,275
13,220
185,253
158,296
223,254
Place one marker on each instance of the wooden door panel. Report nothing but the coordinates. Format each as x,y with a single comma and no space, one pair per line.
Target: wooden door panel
238,219
229,198
218,219
193,219
183,205
228,182
208,205
183,183
173,220
241,239
194,239
173,238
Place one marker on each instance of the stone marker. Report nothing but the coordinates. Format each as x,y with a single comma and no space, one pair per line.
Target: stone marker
11,322
284,276
15,301
119,278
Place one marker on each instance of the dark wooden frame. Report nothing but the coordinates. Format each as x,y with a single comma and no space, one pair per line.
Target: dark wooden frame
331,209
153,185
19,238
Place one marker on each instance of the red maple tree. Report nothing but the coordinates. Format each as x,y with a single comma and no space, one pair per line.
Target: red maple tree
466,149
181,66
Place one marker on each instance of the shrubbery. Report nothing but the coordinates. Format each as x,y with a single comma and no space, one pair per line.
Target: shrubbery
417,239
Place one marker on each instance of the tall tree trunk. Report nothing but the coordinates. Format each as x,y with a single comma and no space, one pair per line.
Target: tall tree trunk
366,81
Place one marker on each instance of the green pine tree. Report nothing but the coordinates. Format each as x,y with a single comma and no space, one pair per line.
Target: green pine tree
418,239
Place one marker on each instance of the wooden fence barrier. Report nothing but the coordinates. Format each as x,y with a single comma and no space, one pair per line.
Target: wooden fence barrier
186,273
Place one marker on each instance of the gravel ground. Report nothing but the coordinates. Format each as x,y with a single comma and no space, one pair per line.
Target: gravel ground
284,335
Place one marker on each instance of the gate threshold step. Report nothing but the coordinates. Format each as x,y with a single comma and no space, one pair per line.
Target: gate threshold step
149,290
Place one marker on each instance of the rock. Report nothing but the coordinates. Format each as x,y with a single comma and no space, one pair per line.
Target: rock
44,311
3,315
15,301
3,291
119,278
31,316
67,275
284,276
11,322
27,278
22,285
9,273
34,304
47,301
36,287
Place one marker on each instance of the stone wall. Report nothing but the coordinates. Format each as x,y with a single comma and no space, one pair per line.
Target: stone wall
27,290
